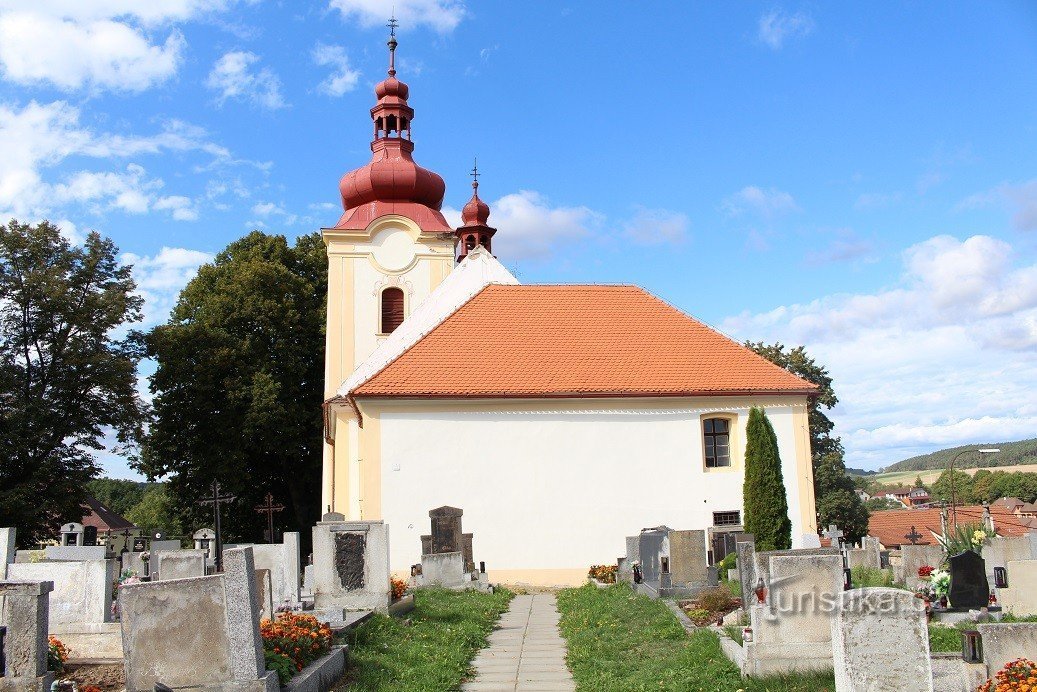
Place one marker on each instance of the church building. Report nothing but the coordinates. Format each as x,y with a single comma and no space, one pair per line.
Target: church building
560,418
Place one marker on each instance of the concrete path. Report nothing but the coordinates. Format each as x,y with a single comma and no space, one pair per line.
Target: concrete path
526,653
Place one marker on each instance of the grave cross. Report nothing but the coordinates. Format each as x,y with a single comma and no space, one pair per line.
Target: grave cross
268,508
913,536
833,533
216,500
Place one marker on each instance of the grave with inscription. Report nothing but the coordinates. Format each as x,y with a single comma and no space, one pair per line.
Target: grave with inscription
350,566
446,553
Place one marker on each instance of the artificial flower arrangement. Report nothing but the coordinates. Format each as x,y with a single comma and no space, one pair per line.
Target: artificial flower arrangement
1018,675
57,654
606,574
924,571
292,642
937,586
398,588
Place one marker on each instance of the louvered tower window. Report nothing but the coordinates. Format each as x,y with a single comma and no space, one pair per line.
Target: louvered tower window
392,309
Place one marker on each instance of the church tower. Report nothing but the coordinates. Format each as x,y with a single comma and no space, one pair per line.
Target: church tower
390,248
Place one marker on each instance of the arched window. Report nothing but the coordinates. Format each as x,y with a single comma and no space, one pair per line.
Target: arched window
392,309
716,433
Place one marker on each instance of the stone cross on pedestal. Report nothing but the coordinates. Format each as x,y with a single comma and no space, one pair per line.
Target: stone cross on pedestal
913,536
833,534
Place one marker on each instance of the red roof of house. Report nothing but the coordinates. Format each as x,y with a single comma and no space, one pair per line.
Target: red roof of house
576,341
96,514
891,526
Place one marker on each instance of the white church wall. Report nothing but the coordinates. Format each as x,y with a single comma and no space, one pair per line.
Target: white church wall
368,282
554,486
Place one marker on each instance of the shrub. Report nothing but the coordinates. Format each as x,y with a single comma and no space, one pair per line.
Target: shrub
715,600
869,576
292,642
729,562
57,654
1020,674
606,574
766,513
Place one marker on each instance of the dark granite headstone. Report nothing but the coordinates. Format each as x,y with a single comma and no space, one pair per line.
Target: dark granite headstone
446,529
349,559
140,544
466,552
969,587
90,535
426,545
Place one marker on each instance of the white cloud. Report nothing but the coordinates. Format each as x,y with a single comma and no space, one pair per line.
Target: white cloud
441,15
41,136
147,12
182,208
948,355
1020,198
342,78
844,247
777,25
233,77
531,228
38,49
161,277
656,227
266,210
764,203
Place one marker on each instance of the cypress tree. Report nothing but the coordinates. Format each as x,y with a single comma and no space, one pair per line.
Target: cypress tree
766,506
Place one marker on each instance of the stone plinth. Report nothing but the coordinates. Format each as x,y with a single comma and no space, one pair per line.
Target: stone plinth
443,569
1005,642
283,561
25,606
1020,598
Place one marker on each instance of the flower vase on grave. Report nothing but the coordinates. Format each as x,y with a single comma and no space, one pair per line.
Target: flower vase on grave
761,591
943,602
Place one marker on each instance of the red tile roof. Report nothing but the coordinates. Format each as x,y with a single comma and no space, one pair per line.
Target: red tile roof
891,526
573,341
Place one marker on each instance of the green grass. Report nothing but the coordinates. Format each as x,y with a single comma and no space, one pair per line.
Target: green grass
943,638
619,641
433,652
868,576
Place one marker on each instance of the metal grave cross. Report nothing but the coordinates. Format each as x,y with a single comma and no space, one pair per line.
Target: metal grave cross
913,536
216,500
269,508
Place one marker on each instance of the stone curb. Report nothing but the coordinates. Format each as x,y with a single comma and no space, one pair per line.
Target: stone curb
322,674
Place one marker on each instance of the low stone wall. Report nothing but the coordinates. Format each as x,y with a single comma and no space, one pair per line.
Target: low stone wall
322,674
1004,642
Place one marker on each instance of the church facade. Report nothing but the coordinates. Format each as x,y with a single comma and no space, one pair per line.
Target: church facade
560,418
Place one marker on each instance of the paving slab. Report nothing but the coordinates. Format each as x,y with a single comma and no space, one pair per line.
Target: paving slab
525,652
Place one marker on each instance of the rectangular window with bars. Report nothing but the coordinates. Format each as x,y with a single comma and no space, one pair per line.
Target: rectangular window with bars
733,518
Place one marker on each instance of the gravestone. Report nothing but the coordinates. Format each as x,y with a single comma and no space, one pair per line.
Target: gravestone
74,553
25,645
351,566
8,549
178,564
72,534
205,540
426,544
880,641
1005,642
1000,550
653,545
1020,596
169,627
969,587
746,559
688,563
466,551
264,594
446,529
282,559
792,629
626,573
913,558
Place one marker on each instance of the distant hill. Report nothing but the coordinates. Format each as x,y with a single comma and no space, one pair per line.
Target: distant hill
1011,454
859,472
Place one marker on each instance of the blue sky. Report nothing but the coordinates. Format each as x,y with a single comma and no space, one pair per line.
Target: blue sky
860,179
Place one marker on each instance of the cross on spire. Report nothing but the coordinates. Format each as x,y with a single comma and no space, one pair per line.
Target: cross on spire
393,23
475,173
392,43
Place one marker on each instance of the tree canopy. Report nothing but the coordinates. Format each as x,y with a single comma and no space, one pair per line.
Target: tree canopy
763,491
67,378
835,499
240,383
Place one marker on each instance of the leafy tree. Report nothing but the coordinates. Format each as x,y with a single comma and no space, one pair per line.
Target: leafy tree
981,482
116,494
961,483
763,492
65,379
1016,484
799,363
877,504
155,512
837,503
240,383
919,483
845,509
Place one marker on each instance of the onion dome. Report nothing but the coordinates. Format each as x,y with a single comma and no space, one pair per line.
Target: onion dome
392,181
474,231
